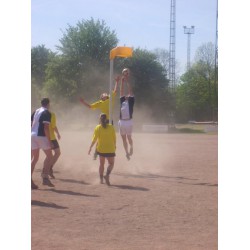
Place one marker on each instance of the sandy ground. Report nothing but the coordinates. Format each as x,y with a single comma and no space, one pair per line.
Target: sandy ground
165,197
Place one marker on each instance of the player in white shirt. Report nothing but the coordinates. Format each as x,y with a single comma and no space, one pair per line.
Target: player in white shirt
126,114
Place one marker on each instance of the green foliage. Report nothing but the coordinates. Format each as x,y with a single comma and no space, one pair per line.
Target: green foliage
162,56
81,68
89,43
84,58
149,82
61,78
196,97
40,56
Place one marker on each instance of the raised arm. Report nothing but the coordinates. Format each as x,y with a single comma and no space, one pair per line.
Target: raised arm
122,87
125,78
117,79
84,103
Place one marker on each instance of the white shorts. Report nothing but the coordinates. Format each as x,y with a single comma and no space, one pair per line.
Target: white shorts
125,127
39,142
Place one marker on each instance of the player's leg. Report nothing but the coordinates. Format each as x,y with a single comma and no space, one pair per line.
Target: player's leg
111,161
125,145
56,155
130,141
129,129
46,146
34,158
101,167
122,130
46,167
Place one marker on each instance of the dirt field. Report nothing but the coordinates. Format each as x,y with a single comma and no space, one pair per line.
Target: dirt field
164,198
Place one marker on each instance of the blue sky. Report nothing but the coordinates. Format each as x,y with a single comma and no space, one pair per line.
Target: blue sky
144,24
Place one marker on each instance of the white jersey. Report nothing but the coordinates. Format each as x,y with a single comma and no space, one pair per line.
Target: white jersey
125,110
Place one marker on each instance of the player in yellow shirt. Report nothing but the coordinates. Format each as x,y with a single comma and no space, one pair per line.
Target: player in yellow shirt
105,137
103,103
54,132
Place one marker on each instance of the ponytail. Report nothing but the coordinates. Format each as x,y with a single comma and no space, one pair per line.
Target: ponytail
103,120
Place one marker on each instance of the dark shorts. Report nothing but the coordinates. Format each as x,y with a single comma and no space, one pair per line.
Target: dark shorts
55,144
106,154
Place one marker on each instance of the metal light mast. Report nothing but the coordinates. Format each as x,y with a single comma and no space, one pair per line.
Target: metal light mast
172,47
215,109
171,112
188,31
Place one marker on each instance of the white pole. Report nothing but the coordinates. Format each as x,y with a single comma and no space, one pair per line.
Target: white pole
110,91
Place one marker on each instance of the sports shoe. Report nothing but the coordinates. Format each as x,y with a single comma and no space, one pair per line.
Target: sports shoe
128,156
47,182
131,151
51,174
33,185
106,177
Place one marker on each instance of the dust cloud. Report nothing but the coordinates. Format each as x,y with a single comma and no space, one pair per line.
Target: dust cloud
76,124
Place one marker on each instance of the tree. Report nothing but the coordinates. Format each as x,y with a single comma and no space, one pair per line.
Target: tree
81,68
40,56
83,60
88,43
149,82
195,98
205,56
162,56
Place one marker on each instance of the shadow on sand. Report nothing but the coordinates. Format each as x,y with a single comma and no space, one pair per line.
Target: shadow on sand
201,184
68,192
178,179
130,187
45,204
154,176
74,181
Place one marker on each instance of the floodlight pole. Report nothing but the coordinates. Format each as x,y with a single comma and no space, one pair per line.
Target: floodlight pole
188,31
215,106
116,52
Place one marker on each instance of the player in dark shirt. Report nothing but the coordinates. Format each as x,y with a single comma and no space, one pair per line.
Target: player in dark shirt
40,139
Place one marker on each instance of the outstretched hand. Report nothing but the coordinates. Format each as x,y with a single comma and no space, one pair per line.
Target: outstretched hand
125,78
118,78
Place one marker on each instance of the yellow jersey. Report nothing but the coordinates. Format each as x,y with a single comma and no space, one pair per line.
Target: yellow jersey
103,105
52,126
106,138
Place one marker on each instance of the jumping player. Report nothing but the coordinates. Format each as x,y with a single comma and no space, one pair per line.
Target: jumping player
126,114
